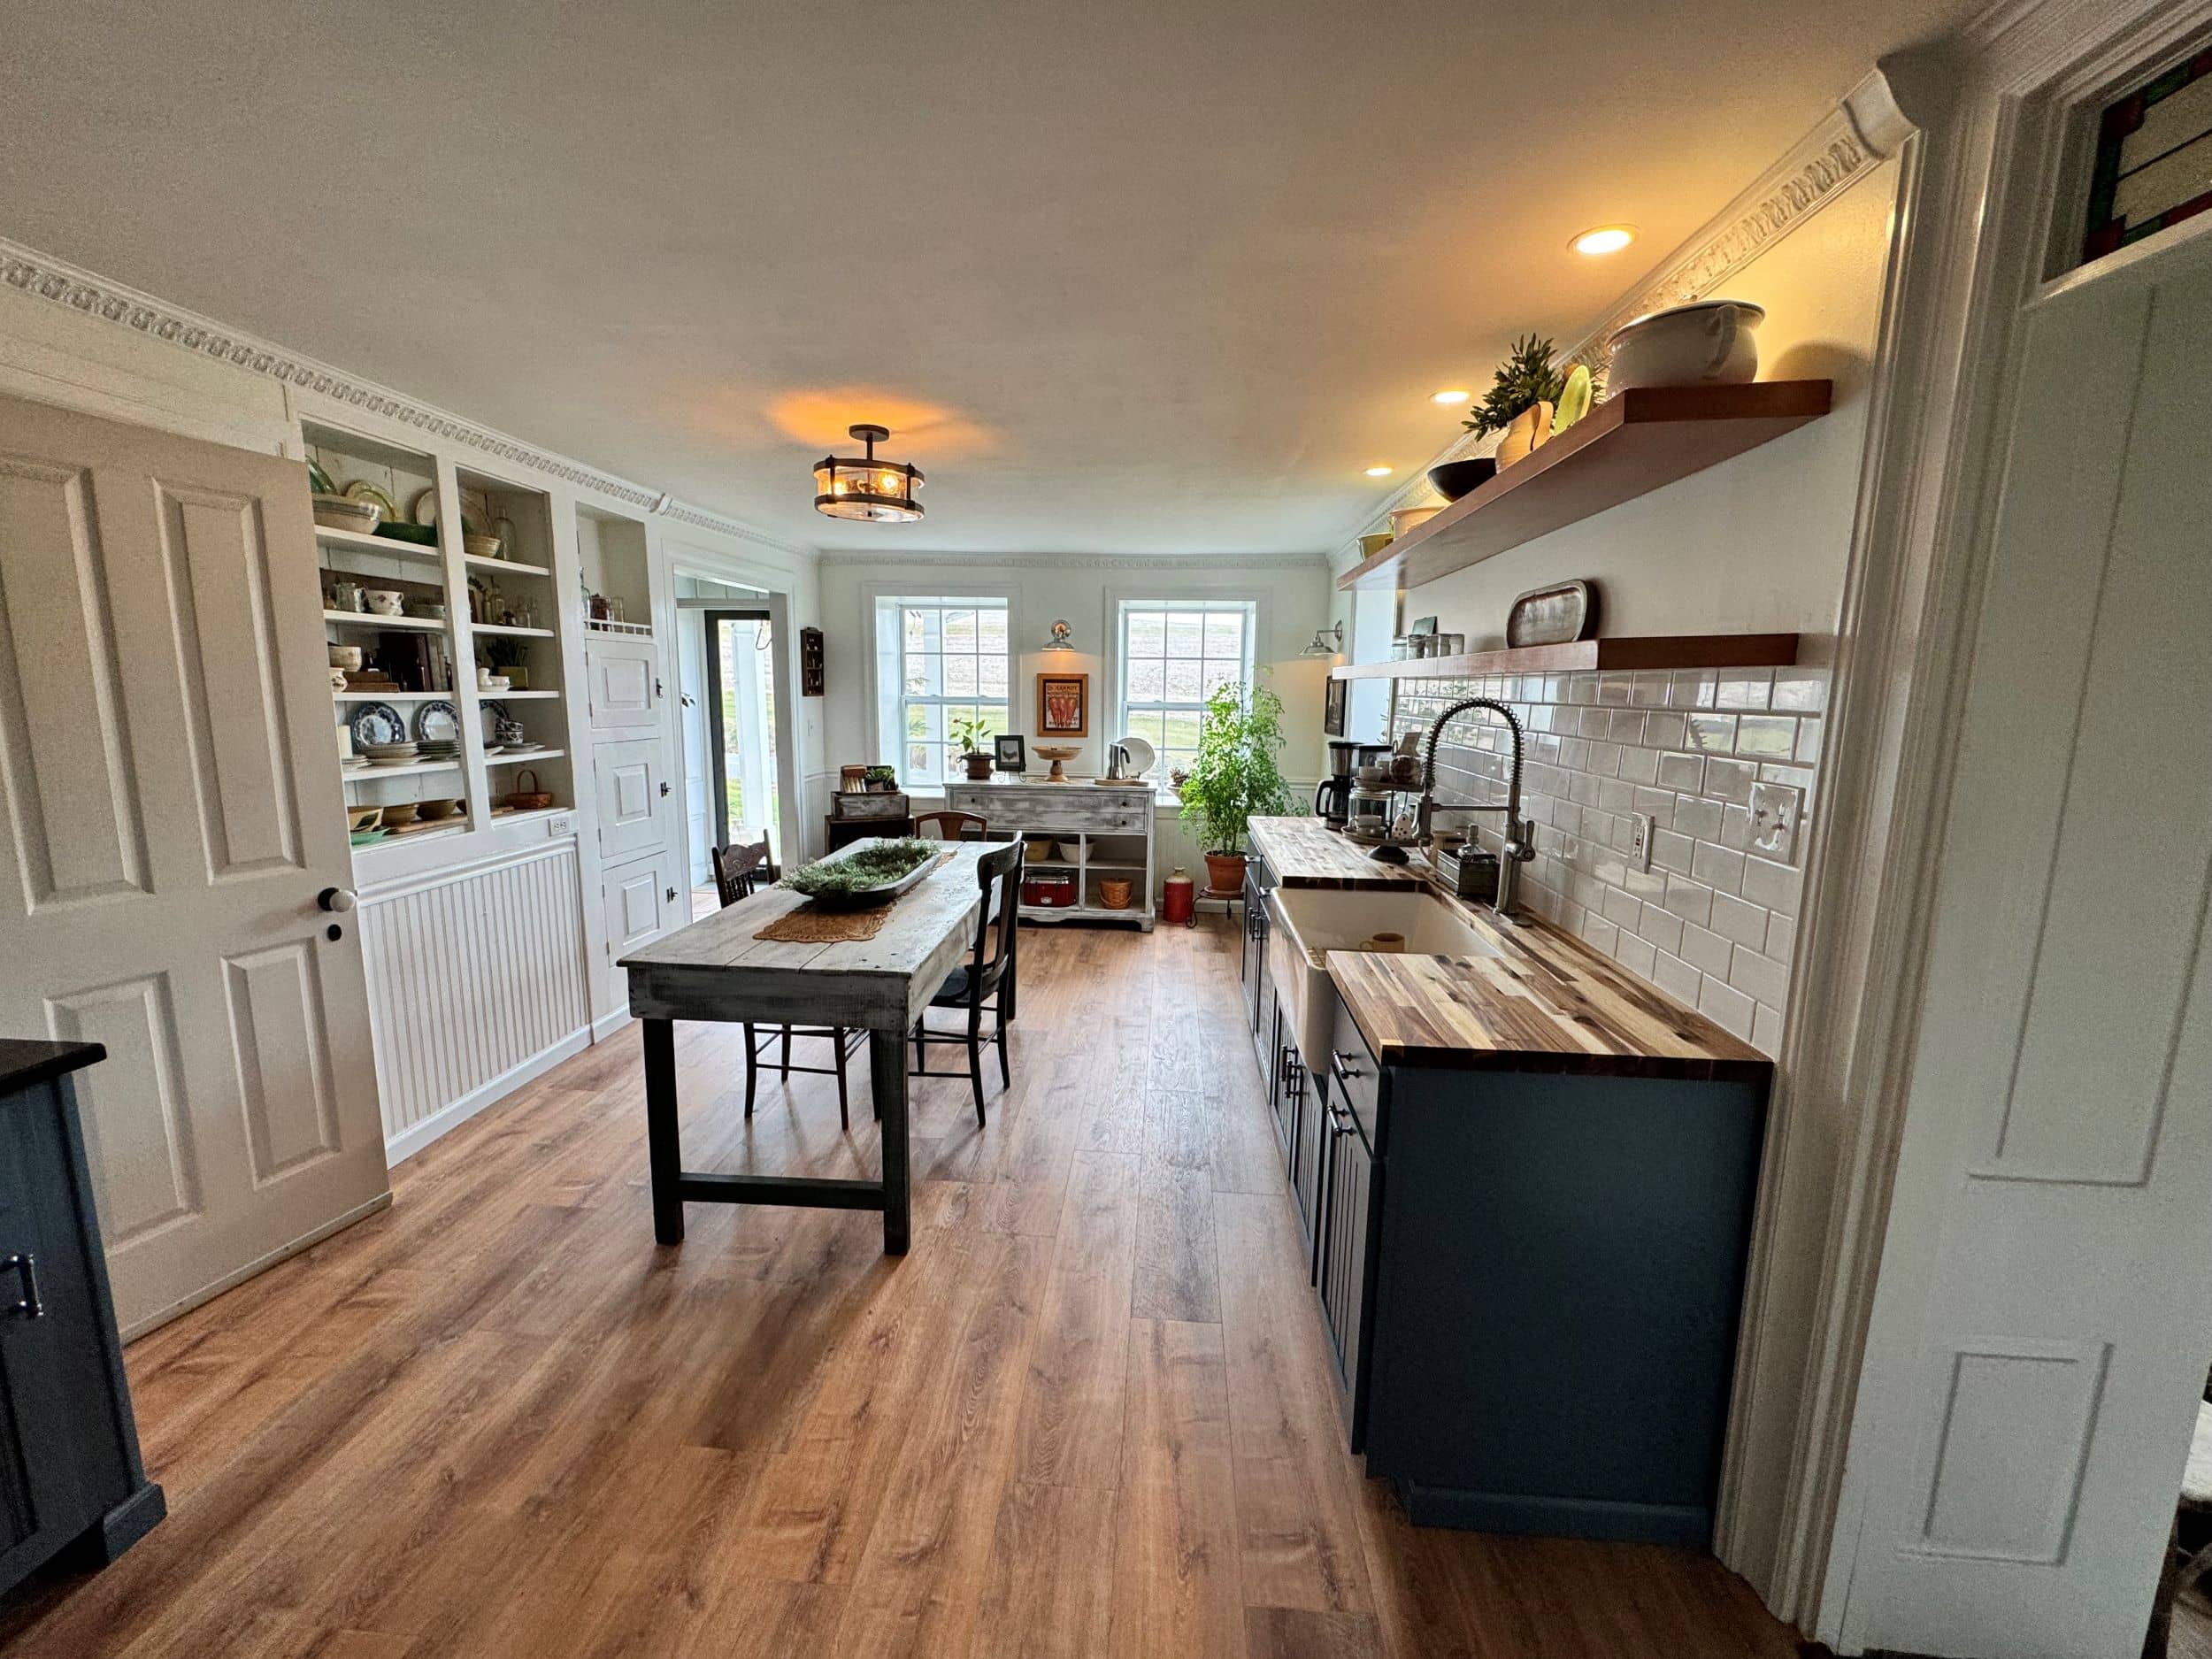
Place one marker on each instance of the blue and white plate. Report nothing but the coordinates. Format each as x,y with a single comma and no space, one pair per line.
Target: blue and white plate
438,722
377,723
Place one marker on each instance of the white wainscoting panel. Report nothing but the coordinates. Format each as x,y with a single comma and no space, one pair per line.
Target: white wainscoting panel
476,984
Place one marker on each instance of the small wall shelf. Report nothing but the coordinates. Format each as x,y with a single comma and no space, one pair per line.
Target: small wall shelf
532,758
1658,651
1627,446
385,546
366,620
413,769
504,627
486,562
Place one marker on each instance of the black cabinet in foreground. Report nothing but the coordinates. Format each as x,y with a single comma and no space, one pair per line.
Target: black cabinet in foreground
70,1477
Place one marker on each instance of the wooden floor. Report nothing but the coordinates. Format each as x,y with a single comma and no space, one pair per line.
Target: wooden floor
1091,1413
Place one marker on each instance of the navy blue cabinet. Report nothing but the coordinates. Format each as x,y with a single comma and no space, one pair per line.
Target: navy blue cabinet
1531,1282
70,1473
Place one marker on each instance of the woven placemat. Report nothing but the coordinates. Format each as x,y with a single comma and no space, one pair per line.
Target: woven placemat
811,924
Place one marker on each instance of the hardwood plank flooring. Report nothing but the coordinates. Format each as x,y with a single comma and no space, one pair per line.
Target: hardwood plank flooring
1090,1413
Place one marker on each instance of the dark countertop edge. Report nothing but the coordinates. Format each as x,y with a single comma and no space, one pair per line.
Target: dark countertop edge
1552,1063
25,1060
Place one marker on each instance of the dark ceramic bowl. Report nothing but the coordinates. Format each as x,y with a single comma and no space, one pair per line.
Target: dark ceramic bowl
1455,479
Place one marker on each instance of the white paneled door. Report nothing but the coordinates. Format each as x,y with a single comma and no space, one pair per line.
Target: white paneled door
2043,1320
173,814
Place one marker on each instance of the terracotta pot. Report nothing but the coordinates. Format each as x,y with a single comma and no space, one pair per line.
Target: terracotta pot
1527,432
1224,872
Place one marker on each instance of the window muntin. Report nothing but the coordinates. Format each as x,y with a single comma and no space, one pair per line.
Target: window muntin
947,659
1174,655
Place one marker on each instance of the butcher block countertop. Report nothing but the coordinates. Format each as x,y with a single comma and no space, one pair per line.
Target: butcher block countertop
1546,1003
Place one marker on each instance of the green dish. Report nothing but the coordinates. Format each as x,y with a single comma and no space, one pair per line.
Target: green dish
400,530
318,480
1574,400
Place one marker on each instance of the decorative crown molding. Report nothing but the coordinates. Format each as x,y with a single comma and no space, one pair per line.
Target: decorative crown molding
1863,130
1080,561
47,278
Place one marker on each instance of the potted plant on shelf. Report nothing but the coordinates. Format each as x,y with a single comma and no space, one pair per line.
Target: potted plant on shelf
971,732
1234,778
883,779
1520,399
506,656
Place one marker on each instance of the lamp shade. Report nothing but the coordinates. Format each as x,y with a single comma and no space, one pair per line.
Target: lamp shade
862,487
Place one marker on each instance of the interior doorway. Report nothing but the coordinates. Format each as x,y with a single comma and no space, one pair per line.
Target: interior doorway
742,728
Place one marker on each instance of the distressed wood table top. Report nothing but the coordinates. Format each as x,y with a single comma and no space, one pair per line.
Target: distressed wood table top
715,969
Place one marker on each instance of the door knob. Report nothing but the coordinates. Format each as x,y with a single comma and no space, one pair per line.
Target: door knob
335,899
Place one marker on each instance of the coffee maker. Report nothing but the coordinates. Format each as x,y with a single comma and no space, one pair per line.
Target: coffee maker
1332,799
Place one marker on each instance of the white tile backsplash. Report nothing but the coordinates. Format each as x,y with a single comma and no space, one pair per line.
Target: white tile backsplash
1711,923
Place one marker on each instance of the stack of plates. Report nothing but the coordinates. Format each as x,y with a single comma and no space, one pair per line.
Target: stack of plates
390,754
524,747
445,748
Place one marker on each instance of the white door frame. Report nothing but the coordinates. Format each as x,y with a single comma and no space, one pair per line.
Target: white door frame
1984,173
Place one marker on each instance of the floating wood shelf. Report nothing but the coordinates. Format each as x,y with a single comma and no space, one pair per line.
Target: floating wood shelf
1658,651
366,541
1627,446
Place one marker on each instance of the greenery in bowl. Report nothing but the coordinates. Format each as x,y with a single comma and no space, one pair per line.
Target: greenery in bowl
1525,378
1236,776
878,865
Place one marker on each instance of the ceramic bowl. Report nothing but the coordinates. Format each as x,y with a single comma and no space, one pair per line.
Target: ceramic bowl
1406,517
1455,479
435,810
386,601
1707,342
493,682
399,813
1037,852
345,656
1372,544
343,513
361,817
484,547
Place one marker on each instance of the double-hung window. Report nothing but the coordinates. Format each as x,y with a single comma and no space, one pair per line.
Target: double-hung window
1174,655
938,660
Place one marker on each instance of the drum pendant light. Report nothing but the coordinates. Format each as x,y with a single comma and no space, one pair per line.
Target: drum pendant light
864,487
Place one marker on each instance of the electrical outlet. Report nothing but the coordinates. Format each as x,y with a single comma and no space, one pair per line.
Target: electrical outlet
561,823
1775,810
1640,841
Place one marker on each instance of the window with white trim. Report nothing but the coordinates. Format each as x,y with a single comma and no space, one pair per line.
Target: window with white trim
1174,654
938,660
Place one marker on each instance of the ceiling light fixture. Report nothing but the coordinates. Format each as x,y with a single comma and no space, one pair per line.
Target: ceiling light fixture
1604,239
864,487
1453,397
1378,472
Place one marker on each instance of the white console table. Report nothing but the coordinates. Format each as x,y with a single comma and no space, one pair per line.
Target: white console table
1107,825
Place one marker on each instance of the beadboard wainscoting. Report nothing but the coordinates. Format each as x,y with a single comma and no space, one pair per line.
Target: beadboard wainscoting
476,985
1713,920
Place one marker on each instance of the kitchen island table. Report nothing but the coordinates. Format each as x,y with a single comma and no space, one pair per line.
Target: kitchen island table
716,969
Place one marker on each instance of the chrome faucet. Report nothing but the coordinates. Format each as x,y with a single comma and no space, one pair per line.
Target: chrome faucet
1518,834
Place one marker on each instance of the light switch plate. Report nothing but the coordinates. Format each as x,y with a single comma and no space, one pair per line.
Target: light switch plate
1775,810
1640,841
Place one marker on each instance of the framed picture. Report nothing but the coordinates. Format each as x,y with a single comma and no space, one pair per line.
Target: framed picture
1333,707
1012,752
810,677
1064,705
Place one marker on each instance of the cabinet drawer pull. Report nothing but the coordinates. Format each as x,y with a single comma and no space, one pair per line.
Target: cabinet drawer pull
26,1267
1341,1063
1340,1121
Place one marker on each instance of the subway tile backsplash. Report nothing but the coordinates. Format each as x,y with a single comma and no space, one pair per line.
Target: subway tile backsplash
1713,922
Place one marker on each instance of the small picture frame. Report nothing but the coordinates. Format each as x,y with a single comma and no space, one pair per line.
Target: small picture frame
1064,705
1333,700
1011,752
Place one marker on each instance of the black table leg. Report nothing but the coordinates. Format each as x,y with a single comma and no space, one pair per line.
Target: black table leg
660,1130
887,1081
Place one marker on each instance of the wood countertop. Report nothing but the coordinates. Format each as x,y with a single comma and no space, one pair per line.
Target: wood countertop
1546,1003
1303,854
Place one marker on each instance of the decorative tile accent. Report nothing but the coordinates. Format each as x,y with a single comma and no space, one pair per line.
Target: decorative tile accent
1712,922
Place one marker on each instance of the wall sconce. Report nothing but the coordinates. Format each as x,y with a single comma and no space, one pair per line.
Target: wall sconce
1062,639
1327,641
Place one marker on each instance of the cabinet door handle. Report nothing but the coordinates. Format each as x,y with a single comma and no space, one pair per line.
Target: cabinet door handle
1342,1065
26,1266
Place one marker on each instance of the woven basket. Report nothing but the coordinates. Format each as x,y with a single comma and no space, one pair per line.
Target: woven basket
533,799
1114,892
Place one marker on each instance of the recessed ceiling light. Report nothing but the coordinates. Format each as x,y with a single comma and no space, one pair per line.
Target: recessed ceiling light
1453,396
1604,239
1378,472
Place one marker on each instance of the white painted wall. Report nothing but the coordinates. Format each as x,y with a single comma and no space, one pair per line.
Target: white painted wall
1295,598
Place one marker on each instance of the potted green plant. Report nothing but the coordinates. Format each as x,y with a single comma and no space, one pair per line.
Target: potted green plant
970,731
1520,399
883,779
1234,778
506,654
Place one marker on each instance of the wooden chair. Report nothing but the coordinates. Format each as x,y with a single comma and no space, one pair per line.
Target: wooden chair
740,873
2183,1566
953,826
988,977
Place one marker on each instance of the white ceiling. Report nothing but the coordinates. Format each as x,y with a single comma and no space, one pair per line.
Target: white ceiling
1127,278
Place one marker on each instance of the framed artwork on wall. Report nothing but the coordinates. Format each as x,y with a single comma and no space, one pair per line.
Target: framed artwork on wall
1011,752
1333,707
1064,705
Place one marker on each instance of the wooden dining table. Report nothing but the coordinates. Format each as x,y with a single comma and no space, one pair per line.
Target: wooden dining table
716,970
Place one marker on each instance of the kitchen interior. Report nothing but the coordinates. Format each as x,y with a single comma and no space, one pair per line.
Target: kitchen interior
907,1021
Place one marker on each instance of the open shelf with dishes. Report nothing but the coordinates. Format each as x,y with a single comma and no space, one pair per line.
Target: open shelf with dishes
618,597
